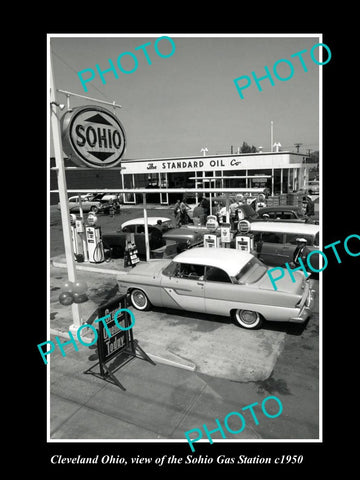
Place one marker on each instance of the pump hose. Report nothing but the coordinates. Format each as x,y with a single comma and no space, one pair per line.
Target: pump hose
98,245
104,244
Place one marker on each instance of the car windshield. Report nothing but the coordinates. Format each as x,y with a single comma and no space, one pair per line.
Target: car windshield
171,269
251,272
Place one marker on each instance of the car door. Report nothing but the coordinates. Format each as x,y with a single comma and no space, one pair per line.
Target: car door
271,251
184,288
140,239
291,244
117,241
219,291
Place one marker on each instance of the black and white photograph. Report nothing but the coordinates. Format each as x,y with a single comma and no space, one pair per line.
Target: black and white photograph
188,250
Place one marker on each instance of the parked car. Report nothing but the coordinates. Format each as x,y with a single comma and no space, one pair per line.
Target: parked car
182,238
185,237
87,205
110,207
218,281
275,241
104,197
283,213
313,187
108,202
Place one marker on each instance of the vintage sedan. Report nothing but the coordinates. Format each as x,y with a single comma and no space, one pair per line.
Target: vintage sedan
275,241
134,228
87,205
218,281
177,239
283,212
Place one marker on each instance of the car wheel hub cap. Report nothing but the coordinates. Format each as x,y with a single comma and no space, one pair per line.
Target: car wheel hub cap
139,299
248,317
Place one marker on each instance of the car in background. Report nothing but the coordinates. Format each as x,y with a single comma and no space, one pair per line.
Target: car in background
187,236
109,202
104,197
218,281
275,241
86,204
313,187
288,213
174,240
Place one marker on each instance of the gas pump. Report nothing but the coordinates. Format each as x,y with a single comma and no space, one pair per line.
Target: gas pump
245,243
212,239
94,242
244,240
225,235
78,241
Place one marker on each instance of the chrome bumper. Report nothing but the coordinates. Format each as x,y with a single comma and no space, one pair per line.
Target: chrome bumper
306,309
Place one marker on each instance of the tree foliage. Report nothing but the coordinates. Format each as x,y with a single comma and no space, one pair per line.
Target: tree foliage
245,148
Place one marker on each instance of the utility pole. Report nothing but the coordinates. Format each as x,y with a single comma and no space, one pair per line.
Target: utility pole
64,203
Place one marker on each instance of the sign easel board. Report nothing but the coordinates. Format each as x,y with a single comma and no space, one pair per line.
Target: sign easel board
114,343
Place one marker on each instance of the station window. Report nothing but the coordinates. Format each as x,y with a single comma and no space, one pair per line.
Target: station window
277,181
285,182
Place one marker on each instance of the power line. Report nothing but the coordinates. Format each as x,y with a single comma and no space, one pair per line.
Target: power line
73,70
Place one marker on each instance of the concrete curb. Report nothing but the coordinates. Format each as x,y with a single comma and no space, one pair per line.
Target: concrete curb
87,268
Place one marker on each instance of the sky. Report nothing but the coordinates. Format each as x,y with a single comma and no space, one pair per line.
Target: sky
180,104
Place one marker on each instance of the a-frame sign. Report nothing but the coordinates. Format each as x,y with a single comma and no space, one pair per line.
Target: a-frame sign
116,341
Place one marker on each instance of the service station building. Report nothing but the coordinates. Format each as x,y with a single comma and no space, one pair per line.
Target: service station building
279,172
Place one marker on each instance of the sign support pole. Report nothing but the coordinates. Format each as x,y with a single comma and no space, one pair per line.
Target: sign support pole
64,204
147,246
227,208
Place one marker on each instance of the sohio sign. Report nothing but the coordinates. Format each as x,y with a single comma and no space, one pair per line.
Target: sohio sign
93,136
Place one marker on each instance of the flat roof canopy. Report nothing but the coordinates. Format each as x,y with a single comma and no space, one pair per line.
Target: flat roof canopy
164,190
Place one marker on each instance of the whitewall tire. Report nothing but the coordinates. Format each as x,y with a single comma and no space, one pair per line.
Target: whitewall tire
139,299
248,319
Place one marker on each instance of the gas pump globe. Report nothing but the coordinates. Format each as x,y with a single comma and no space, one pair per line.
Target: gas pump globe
92,219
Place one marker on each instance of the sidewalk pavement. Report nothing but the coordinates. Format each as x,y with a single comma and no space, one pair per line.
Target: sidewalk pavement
161,401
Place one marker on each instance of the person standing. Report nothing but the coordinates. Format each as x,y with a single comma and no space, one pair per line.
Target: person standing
177,213
206,205
310,207
184,217
199,214
156,236
233,213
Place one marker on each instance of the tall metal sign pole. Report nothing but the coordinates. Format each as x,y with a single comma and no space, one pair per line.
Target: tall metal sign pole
64,205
